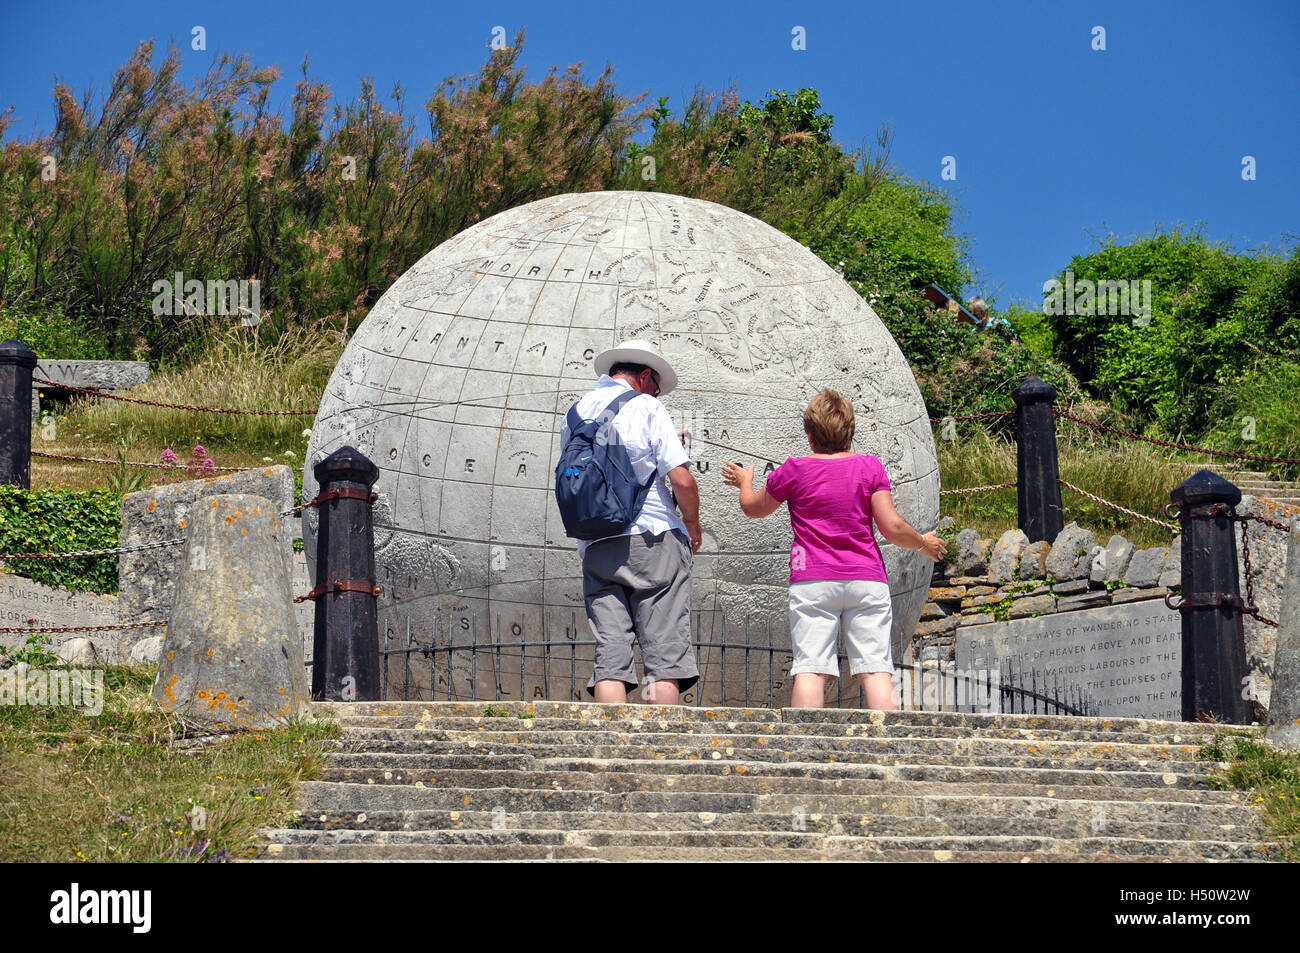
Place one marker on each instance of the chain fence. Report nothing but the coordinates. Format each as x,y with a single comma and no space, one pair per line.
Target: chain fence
106,395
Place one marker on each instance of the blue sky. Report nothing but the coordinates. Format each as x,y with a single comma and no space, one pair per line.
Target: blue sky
1055,143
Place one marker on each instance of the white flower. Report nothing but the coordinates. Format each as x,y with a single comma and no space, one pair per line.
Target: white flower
291,455
267,460
307,432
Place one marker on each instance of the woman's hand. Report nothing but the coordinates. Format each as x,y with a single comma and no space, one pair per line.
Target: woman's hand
736,475
933,546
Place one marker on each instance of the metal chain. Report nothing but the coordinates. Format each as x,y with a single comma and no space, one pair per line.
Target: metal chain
978,489
1284,527
1170,443
995,413
87,553
1123,509
133,463
156,403
82,628
1250,608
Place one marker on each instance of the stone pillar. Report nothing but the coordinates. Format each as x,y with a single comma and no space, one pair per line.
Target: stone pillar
16,363
1038,495
1214,647
232,656
345,655
1284,703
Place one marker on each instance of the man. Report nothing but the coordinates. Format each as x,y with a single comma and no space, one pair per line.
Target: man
637,585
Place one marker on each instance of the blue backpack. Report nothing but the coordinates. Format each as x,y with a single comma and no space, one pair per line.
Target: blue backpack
595,485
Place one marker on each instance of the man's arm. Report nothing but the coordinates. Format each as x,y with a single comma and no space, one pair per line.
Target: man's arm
687,492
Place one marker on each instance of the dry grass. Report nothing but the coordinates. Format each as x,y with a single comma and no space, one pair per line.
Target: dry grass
116,786
233,370
1134,475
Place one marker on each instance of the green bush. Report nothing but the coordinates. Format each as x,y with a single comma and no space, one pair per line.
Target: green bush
34,521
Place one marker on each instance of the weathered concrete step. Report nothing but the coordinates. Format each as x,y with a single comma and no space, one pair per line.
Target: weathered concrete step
592,712
841,778
418,734
276,853
883,797
787,747
386,844
796,763
956,823
505,839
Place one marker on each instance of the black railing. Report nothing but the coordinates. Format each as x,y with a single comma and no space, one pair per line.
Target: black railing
464,667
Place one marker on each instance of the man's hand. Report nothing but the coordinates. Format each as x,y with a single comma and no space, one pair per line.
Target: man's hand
696,533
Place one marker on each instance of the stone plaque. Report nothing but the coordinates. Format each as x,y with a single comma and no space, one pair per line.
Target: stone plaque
1126,658
22,600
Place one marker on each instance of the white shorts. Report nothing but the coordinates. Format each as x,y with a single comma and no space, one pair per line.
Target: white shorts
819,609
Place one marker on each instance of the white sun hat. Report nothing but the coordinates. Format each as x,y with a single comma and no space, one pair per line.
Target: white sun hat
639,352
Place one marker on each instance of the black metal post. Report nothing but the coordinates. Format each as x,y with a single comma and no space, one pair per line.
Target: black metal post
1038,495
346,646
16,364
1214,647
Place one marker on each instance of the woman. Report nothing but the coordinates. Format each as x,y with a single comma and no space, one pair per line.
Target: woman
837,575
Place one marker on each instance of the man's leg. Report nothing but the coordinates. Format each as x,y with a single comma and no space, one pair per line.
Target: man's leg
661,607
610,691
610,616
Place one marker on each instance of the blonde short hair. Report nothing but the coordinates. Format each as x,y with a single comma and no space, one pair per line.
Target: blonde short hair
829,421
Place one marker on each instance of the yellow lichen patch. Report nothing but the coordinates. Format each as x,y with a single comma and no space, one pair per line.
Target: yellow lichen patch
244,532
171,655
269,472
180,523
153,505
211,652
168,691
203,693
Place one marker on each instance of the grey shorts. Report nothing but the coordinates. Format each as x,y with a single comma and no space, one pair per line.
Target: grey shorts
638,589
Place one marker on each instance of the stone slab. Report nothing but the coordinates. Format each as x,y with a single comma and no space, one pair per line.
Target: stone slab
1127,658
146,579
22,599
109,376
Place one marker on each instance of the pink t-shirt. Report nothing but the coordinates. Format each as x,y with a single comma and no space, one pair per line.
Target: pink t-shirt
830,512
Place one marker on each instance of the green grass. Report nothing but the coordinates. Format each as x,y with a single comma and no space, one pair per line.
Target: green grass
1132,475
117,787
232,369
1272,777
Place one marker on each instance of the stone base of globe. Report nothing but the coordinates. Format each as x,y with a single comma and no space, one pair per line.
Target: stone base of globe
456,383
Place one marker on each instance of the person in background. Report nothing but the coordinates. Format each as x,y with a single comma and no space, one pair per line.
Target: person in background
837,575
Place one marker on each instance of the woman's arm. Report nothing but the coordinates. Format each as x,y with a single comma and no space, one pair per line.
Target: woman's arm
754,505
898,531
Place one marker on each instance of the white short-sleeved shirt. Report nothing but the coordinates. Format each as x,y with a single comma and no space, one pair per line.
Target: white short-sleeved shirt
644,427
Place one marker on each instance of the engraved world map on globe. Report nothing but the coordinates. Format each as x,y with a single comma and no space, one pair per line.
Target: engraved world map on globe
456,384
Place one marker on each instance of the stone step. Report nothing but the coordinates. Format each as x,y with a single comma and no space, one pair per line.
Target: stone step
277,853
618,796
385,844
553,714
1088,823
805,734
794,763
753,776
788,748
360,802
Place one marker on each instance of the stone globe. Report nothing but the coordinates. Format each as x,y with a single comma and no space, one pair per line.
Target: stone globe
457,381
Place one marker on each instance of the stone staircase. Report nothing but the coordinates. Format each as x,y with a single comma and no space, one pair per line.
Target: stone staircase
1253,482
417,781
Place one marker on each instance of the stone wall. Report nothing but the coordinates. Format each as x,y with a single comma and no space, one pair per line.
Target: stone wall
1011,578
